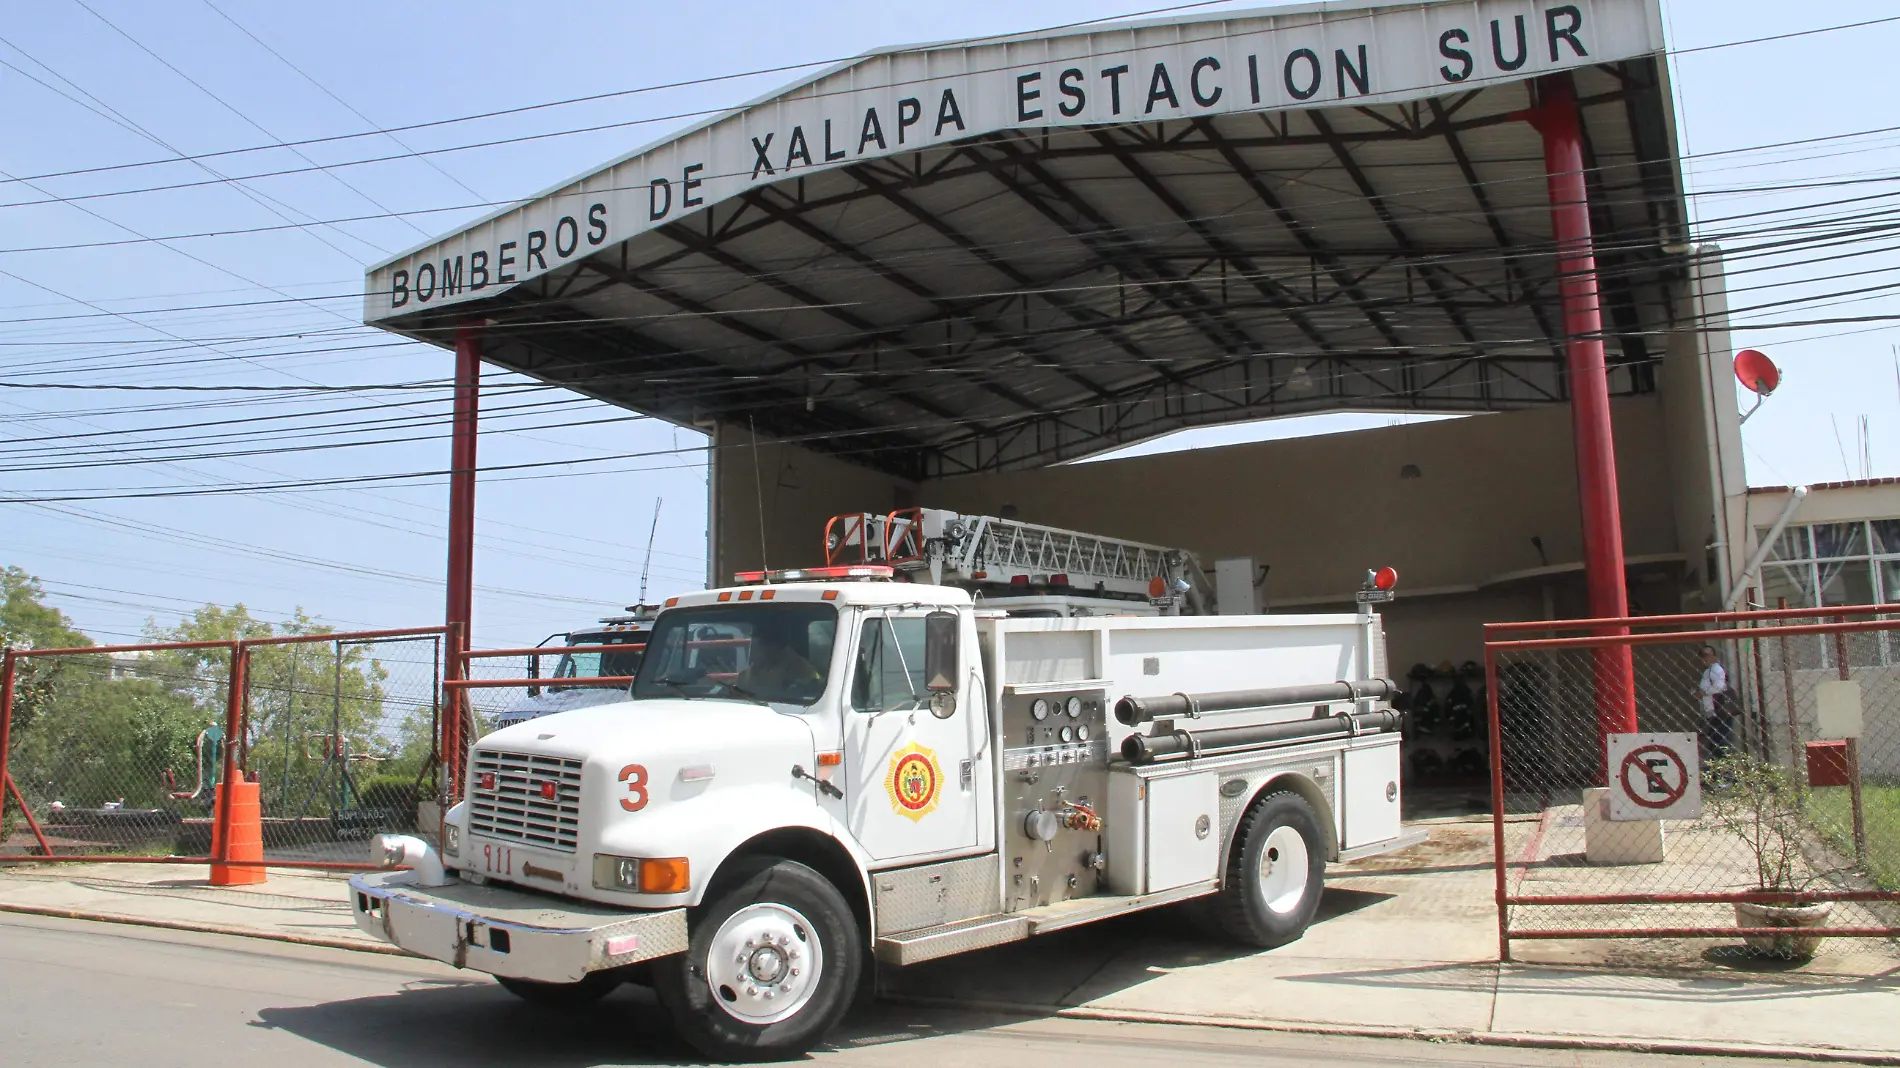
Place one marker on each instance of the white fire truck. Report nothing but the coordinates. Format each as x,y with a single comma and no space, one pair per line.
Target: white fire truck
825,771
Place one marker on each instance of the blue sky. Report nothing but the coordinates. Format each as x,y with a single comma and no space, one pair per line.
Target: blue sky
560,550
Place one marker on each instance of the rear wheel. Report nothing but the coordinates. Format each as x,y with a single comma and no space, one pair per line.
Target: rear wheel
771,966
1275,873
597,985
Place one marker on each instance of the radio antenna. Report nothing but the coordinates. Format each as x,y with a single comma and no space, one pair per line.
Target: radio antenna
758,491
648,564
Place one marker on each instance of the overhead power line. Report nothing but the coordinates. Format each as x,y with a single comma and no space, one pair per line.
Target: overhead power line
705,112
387,131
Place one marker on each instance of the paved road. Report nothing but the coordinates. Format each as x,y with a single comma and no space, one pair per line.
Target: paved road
74,995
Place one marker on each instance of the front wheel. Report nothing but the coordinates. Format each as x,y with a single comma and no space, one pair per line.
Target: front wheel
770,968
1275,874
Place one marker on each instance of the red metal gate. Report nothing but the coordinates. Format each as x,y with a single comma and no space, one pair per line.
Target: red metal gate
1793,814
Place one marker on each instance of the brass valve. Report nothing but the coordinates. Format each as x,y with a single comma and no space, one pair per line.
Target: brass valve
1079,817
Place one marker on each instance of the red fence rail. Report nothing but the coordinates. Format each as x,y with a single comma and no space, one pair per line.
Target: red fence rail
1782,824
534,679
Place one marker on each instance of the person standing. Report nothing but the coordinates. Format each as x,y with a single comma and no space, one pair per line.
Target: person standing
1718,721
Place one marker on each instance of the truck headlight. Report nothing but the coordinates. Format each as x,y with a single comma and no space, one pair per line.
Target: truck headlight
642,875
451,840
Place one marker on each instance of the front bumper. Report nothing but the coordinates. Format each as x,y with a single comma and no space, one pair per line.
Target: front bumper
508,932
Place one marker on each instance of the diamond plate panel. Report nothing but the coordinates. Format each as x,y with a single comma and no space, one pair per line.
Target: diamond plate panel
929,895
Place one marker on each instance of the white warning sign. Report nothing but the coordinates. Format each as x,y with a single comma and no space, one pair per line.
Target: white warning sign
1654,777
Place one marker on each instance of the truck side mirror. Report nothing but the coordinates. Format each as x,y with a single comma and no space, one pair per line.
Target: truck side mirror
940,653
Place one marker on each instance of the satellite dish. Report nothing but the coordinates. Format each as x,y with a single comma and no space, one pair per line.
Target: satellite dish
1758,374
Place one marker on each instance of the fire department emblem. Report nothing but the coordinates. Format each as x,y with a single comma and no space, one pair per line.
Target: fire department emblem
914,782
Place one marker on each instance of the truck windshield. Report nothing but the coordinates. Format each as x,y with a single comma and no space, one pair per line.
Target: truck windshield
599,665
779,653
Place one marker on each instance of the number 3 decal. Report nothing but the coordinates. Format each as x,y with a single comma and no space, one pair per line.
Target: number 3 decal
635,776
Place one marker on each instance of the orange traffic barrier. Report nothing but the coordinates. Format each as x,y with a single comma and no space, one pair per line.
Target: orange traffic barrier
247,836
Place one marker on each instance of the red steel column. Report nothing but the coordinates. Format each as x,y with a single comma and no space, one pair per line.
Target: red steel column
1556,118
461,577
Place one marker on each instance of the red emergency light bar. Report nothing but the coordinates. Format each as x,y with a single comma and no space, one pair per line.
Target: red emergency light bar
861,572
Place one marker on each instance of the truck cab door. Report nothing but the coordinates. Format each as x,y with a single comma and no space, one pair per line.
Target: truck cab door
916,740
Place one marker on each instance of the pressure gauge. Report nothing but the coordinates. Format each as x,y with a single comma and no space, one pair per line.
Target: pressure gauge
1081,732
1067,734
1040,709
1075,708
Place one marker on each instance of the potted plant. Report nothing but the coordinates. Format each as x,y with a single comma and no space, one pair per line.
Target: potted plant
1766,806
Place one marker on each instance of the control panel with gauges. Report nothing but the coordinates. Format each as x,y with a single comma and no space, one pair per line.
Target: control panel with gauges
1055,766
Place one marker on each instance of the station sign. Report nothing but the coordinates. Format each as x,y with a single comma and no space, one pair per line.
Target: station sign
891,104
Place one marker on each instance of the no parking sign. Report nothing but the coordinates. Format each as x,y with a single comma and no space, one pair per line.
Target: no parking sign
1654,777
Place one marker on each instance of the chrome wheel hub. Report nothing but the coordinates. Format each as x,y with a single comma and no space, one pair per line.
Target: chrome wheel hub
764,963
768,965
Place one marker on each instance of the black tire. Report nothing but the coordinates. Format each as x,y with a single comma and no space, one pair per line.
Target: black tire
1266,910
770,888
597,985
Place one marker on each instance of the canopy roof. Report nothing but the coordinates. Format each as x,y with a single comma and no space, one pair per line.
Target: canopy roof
1012,252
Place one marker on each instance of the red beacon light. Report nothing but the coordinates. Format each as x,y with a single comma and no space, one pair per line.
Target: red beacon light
1379,585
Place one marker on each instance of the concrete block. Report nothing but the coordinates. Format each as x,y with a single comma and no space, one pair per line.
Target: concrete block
1607,841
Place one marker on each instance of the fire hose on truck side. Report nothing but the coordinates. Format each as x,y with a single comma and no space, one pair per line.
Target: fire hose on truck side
1180,743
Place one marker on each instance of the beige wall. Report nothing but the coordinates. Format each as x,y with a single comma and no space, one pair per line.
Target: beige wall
1686,402
1318,510
1321,510
800,489
1723,420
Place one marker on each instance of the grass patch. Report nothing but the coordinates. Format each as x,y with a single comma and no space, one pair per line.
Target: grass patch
1834,818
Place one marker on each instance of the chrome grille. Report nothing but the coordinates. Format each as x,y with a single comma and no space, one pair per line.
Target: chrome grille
514,808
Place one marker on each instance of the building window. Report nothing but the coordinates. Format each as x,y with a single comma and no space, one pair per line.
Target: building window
1829,565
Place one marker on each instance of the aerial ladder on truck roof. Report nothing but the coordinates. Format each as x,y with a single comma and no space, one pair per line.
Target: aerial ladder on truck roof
1010,558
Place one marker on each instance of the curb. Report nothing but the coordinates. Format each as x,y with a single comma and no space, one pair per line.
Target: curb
205,928
1525,1040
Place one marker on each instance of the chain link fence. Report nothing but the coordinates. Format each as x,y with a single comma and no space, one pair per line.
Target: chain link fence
118,751
341,737
1770,748
115,752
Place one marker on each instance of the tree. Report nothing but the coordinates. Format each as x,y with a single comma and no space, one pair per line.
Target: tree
93,729
28,622
310,705
82,726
